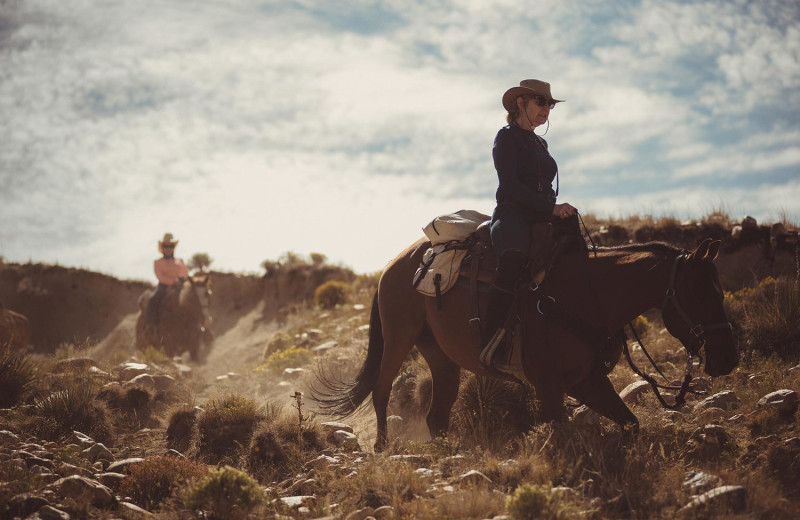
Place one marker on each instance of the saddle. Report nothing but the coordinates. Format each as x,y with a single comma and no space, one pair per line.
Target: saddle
550,240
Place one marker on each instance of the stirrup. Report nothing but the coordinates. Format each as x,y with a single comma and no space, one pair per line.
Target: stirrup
490,348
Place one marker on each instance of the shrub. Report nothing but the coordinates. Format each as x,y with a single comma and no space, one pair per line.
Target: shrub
226,427
180,429
642,325
199,261
489,412
153,480
534,501
225,494
278,342
318,258
16,375
292,357
279,449
769,316
74,407
133,404
330,294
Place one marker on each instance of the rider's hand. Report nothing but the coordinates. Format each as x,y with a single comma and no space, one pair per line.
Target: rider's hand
564,210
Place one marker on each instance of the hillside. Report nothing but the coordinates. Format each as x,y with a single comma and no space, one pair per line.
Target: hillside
733,456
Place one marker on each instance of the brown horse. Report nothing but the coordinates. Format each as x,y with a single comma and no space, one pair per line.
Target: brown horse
184,319
605,291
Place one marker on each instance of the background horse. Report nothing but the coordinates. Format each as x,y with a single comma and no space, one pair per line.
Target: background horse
605,291
183,319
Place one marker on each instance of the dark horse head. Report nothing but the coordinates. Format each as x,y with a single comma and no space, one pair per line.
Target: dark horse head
693,310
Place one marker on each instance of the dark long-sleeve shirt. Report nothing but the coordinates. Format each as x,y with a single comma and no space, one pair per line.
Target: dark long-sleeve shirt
525,170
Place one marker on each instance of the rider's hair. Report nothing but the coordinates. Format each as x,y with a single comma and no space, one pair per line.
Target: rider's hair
513,114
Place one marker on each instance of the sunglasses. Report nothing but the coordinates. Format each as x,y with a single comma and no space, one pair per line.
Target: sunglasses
543,101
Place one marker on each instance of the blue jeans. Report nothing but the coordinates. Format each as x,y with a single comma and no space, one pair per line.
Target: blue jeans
511,239
154,304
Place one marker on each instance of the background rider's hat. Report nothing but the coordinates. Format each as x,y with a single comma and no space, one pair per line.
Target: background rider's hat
530,87
168,240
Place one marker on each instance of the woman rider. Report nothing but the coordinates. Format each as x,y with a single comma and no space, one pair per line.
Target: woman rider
525,193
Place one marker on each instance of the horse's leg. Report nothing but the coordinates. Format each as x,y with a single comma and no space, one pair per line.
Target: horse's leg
598,393
445,375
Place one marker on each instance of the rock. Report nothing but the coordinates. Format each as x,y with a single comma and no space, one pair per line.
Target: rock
111,479
128,371
325,346
297,501
133,511
121,466
711,414
472,477
721,499
563,492
346,440
25,504
293,373
709,441
81,439
697,482
726,400
783,402
143,380
75,485
8,437
49,512
321,462
360,514
331,426
98,452
66,470
425,472
634,392
384,513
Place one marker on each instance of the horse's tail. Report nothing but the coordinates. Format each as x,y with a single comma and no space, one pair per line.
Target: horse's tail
340,398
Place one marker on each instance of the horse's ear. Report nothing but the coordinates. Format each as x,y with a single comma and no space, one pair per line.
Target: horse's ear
713,250
701,251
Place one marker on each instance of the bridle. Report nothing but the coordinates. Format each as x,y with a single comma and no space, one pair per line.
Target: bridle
692,345
697,331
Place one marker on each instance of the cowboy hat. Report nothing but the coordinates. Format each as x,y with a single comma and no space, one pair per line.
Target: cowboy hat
530,87
168,240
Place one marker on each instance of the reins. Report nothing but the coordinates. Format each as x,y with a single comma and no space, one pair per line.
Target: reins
547,306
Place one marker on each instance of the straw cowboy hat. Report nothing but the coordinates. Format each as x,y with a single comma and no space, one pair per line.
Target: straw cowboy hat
168,240
530,87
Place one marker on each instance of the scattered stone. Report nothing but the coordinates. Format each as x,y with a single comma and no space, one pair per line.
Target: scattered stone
128,371
81,439
634,392
315,333
325,346
133,511
321,462
711,414
66,470
726,400
783,402
121,466
331,426
346,440
697,482
363,328
425,472
25,504
111,479
720,499
384,513
49,512
143,380
76,485
563,492
472,477
98,452
297,501
293,373
7,436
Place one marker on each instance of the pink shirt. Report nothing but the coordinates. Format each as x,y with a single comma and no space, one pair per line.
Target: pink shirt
169,269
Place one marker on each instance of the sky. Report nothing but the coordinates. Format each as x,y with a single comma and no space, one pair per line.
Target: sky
248,128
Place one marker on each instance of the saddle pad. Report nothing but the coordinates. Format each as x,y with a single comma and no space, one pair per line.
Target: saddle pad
439,267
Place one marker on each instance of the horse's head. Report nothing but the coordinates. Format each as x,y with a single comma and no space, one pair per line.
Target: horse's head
693,310
196,292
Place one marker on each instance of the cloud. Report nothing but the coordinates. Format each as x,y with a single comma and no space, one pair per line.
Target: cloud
249,128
